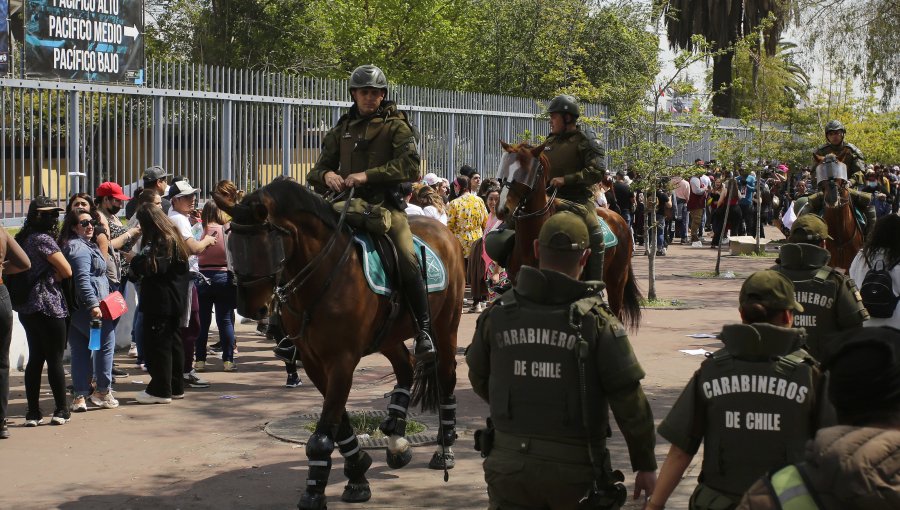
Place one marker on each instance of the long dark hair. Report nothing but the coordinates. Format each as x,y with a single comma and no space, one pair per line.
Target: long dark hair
66,233
34,225
160,234
884,239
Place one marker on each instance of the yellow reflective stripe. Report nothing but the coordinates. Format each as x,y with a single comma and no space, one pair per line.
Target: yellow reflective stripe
791,490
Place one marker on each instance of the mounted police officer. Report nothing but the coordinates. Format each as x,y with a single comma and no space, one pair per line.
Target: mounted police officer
373,149
846,152
831,301
576,163
752,405
832,171
551,359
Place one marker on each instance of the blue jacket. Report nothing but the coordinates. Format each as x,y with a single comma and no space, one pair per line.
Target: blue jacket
89,272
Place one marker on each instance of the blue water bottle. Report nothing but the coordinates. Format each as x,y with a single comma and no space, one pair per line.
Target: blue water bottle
94,343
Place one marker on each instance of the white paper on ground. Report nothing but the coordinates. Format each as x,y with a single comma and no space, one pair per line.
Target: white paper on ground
694,352
701,335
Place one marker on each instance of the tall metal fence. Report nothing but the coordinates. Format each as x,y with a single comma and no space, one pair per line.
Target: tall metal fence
211,123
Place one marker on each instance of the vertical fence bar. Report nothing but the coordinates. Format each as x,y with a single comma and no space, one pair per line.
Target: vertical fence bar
227,111
286,138
158,131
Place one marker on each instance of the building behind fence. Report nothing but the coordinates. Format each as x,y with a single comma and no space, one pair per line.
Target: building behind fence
210,123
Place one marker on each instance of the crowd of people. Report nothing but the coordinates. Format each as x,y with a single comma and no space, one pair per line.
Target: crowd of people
74,263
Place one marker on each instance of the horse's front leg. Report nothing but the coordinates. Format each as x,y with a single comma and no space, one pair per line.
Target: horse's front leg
356,463
398,451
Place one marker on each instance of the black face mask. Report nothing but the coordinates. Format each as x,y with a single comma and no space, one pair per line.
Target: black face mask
114,209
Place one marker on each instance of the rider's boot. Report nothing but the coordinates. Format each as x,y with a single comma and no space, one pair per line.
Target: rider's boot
417,297
594,267
285,350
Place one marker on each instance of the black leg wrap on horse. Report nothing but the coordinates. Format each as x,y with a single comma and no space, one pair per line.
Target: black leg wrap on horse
395,423
594,267
445,459
356,463
318,453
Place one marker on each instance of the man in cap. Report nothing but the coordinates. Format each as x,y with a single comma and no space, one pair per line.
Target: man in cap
545,353
154,178
110,200
853,465
577,162
752,404
830,299
373,148
183,197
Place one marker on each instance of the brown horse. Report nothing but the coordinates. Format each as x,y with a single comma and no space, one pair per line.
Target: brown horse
525,198
838,212
288,247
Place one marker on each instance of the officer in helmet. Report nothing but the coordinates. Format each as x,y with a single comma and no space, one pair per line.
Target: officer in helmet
551,360
832,171
847,152
372,148
752,404
576,163
831,301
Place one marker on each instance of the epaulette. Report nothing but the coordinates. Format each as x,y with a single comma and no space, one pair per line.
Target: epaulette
856,152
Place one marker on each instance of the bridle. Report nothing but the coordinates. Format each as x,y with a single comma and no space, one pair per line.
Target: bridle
282,292
518,213
837,189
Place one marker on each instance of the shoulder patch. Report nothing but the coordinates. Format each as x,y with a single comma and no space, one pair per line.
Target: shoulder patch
855,150
593,140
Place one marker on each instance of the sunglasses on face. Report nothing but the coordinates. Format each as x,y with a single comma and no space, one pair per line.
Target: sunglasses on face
85,223
49,214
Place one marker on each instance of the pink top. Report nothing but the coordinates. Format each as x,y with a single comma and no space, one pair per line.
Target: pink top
213,258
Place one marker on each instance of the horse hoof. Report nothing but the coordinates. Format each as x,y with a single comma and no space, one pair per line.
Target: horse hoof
398,460
441,460
310,501
356,493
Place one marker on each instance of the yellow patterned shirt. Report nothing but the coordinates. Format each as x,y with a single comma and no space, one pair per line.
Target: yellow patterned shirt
465,218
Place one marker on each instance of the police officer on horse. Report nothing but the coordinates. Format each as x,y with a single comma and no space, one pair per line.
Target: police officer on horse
372,148
576,158
830,299
551,359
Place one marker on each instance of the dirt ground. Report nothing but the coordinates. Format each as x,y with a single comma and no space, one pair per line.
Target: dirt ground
210,451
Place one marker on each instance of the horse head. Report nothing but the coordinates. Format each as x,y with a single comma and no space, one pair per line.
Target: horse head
521,171
831,174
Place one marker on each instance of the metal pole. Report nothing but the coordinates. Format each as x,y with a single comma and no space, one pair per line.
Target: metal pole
287,137
74,144
158,131
227,111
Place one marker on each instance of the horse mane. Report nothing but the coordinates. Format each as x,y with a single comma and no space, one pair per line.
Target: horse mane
840,156
290,197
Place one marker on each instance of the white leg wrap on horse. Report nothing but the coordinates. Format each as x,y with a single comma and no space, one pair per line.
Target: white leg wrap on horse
397,444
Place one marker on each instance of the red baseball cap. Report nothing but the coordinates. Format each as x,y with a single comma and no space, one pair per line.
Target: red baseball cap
111,189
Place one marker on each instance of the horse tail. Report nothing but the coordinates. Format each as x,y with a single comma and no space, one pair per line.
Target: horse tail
631,302
425,388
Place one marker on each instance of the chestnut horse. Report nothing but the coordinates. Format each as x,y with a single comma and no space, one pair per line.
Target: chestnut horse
288,247
524,197
843,228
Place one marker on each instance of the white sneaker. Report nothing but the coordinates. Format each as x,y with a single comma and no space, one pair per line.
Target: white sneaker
79,405
132,351
145,398
104,400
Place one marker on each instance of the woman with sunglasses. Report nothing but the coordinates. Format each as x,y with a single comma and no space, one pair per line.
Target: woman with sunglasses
91,286
43,315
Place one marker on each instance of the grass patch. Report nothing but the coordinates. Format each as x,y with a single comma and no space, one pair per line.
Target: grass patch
712,274
365,423
763,255
662,303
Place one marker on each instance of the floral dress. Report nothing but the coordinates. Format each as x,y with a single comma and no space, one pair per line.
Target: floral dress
465,218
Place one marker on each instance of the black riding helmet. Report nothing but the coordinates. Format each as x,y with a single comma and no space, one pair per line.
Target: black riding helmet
835,125
368,76
564,104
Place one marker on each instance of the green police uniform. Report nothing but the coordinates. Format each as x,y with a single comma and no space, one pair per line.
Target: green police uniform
577,157
524,360
383,145
753,405
830,299
850,154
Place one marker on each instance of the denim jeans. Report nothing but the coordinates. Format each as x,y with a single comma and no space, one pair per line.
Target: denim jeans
6,326
660,231
221,294
682,223
86,362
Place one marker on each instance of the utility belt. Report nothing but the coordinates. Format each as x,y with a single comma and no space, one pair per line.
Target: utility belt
555,451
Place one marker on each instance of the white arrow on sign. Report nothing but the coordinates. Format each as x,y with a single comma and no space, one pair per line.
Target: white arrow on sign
131,31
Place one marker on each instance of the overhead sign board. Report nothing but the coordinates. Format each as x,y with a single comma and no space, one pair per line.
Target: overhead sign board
85,40
4,37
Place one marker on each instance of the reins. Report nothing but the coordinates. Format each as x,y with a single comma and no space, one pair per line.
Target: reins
519,215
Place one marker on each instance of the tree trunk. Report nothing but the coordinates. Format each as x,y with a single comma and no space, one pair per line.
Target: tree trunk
723,94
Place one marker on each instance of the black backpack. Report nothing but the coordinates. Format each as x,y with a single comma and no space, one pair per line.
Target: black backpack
877,292
19,286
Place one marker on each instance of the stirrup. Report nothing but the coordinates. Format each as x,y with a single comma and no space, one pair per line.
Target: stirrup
424,347
286,353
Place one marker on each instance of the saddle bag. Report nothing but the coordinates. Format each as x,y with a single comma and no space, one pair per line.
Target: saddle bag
362,215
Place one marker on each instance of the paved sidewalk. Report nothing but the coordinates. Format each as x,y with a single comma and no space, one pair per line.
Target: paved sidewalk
209,450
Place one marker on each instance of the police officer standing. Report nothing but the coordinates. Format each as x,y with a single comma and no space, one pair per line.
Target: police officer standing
551,360
753,404
373,149
576,163
830,299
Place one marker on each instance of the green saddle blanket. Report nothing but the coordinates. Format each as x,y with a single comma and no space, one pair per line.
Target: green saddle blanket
373,267
609,237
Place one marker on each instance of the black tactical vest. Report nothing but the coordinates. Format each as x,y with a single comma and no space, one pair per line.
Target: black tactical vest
815,288
758,414
566,158
535,387
365,145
